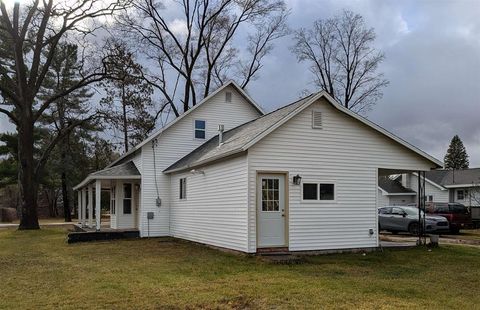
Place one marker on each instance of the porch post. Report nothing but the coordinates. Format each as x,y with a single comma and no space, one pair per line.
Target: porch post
79,206
98,191
84,206
90,206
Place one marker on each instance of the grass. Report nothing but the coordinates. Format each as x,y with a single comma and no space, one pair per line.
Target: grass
39,270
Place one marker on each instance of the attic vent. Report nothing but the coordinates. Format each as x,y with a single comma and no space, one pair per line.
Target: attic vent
228,96
317,119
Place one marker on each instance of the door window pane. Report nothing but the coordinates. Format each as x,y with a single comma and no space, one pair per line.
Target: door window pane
270,195
310,191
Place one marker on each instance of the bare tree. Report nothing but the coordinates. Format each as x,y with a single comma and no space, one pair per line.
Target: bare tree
29,38
343,59
197,49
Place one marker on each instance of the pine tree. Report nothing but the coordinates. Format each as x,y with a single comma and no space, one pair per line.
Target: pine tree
62,75
128,95
456,157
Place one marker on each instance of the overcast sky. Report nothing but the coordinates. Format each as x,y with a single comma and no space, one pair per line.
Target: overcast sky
432,61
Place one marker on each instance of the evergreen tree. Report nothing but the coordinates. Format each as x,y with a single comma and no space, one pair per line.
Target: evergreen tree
63,74
456,157
128,95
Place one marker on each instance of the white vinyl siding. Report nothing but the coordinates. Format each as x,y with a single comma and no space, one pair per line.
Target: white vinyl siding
176,142
215,211
439,195
345,152
382,200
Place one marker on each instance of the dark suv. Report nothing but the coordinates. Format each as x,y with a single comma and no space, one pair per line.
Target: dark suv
457,214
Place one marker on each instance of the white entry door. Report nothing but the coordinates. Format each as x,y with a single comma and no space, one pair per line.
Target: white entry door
271,210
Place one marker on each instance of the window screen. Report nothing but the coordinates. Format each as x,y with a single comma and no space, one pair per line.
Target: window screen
310,191
327,191
199,129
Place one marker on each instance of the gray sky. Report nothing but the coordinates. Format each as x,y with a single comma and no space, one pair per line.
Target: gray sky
432,62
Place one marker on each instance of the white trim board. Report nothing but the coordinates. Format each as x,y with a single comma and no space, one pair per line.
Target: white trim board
158,132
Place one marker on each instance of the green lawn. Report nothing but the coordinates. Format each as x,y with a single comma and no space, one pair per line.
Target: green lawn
39,270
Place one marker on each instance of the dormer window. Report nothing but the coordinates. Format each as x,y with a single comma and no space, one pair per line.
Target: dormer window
199,129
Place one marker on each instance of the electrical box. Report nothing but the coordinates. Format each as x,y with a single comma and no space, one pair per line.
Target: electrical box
150,215
159,202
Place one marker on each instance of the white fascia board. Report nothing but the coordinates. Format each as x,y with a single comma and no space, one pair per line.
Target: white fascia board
462,185
189,111
90,179
341,108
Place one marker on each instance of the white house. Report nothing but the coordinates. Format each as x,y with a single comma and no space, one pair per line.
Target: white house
303,177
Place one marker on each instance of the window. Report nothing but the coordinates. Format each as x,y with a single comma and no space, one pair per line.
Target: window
327,192
398,211
318,191
430,198
310,191
270,195
199,129
127,198
460,194
183,188
112,200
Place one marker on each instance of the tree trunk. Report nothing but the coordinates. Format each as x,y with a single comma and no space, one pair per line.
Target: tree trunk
26,174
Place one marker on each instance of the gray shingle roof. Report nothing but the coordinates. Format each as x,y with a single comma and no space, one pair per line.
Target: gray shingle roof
450,177
235,139
126,169
393,186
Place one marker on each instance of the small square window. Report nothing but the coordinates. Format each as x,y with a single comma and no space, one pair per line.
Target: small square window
327,191
310,191
200,129
183,188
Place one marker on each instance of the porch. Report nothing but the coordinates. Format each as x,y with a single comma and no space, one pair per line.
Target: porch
121,185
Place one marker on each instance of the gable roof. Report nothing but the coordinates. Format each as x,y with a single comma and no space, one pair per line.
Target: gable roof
126,170
394,187
451,178
241,138
240,90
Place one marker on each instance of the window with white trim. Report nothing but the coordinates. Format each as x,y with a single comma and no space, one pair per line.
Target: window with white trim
200,126
183,188
310,191
318,191
127,198
460,194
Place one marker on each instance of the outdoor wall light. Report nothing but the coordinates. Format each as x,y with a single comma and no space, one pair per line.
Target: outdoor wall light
297,179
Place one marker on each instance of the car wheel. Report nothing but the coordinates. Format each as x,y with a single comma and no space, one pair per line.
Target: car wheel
414,228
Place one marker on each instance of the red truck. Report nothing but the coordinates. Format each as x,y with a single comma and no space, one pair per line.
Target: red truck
458,215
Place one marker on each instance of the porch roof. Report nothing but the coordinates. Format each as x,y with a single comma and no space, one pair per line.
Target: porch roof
126,170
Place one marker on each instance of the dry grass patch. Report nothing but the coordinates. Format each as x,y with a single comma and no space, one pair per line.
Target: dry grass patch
39,270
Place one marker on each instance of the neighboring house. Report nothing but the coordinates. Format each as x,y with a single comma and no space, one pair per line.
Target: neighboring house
303,177
391,192
462,186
